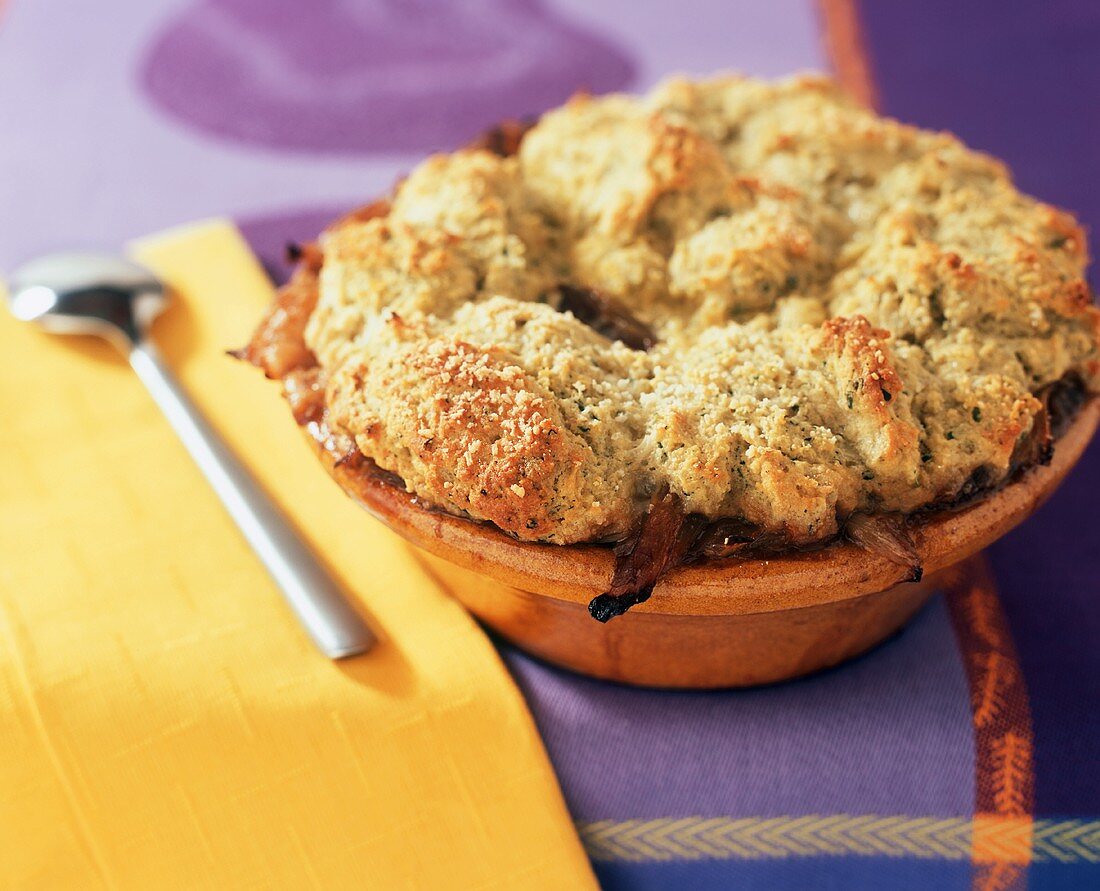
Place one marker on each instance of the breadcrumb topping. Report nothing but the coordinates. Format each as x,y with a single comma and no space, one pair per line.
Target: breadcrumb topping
850,314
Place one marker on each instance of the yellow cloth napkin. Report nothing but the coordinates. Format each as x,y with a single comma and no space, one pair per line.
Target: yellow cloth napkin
163,720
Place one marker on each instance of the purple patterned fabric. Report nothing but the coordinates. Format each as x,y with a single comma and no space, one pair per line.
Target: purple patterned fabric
388,75
283,115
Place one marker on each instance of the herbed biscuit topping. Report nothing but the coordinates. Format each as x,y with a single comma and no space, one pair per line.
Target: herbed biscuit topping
849,315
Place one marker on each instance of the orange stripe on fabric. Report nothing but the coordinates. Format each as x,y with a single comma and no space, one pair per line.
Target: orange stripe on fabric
847,50
1003,742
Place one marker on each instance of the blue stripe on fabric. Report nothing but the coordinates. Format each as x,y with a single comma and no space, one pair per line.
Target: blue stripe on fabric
1064,877
818,873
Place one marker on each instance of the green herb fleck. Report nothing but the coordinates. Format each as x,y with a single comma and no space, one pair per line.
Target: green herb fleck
849,400
950,435
886,394
976,414
1058,242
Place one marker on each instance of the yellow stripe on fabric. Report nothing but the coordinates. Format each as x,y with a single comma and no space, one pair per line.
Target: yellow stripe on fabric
862,835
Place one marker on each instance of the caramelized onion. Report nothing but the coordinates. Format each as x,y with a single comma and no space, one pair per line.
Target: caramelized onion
359,464
659,542
308,253
1063,399
886,536
304,390
503,139
1037,445
606,315
724,538
278,345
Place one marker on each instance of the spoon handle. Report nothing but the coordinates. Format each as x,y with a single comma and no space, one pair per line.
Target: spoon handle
321,607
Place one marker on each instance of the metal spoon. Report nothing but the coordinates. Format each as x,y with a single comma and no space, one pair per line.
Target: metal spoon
117,300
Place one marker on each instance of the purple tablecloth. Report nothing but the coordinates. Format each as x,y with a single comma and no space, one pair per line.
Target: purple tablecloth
966,751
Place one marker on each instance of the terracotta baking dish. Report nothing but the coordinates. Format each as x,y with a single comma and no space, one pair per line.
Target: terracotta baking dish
729,623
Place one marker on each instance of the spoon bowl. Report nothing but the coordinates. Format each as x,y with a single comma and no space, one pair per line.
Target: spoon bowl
88,293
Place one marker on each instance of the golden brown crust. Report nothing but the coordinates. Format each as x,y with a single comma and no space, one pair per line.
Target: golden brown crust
478,436
850,315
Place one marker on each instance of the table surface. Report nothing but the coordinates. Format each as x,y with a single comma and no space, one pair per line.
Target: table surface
165,111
